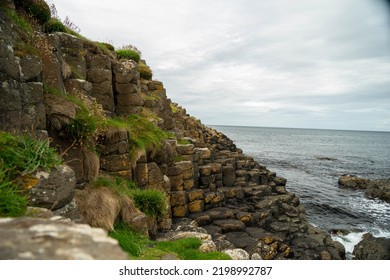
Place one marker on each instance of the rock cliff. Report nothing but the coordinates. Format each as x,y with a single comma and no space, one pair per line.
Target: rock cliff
206,178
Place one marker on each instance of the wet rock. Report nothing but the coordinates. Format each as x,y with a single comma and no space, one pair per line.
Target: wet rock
40,239
372,248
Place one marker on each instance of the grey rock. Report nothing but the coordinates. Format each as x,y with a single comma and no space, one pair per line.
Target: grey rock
40,239
372,248
55,189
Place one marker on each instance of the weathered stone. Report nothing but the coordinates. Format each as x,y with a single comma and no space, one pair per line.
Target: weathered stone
115,163
205,170
196,206
195,195
176,183
125,71
229,176
188,184
125,89
229,225
155,177
237,254
40,239
31,67
99,61
180,211
187,149
372,248
244,217
241,240
178,198
52,190
214,197
279,181
232,192
129,100
77,85
204,153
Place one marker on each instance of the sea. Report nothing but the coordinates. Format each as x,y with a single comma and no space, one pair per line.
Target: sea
312,160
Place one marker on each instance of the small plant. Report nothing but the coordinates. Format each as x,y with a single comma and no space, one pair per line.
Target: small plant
151,202
13,202
20,21
54,25
182,141
20,156
128,54
140,247
144,135
144,71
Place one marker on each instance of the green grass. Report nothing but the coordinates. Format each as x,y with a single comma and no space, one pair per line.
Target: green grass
151,202
37,8
20,156
13,202
144,134
144,71
128,54
55,25
140,247
19,21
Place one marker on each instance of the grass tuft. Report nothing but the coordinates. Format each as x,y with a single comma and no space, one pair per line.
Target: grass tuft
140,247
128,54
151,202
19,156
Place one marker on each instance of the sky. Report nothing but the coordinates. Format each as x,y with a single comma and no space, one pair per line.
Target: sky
275,63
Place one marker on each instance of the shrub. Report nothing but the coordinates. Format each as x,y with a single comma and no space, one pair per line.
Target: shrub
144,71
151,202
128,54
20,156
54,25
38,9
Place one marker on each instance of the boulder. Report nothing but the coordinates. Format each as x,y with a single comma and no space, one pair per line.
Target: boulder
40,239
52,190
372,248
237,254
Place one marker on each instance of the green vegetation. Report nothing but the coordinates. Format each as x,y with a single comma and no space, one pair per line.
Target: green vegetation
151,202
144,134
183,141
20,156
38,9
55,25
19,21
140,247
144,70
128,54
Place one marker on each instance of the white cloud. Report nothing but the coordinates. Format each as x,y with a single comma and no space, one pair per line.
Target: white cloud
270,62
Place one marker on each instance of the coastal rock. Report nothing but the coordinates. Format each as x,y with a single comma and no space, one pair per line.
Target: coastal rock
379,188
237,254
372,248
52,190
40,239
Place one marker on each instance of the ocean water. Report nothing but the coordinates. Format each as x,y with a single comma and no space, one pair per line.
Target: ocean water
312,161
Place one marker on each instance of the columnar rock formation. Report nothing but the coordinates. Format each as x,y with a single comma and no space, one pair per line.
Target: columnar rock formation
207,179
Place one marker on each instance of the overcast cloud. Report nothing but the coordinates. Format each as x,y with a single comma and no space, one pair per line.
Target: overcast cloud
283,63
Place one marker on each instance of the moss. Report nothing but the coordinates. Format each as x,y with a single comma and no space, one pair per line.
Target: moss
20,21
144,71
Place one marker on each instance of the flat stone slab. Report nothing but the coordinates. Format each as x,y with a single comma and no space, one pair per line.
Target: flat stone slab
230,225
39,239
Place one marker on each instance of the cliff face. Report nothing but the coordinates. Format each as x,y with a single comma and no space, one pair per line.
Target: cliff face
204,176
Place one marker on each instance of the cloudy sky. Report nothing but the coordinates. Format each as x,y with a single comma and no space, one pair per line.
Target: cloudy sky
278,63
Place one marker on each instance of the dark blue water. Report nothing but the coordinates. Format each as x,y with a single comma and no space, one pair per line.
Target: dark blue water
312,161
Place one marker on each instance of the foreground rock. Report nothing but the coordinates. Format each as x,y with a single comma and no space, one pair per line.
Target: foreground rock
372,248
39,239
372,188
